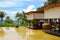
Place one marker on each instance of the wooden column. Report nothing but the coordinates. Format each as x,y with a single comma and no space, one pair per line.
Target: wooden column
34,24
50,23
29,23
59,24
59,20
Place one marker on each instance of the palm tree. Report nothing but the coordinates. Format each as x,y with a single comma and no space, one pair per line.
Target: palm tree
24,17
21,17
2,14
58,0
18,17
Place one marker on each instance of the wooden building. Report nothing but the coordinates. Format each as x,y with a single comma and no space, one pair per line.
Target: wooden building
35,19
52,13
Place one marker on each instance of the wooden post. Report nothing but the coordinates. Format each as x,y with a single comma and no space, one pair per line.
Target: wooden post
29,23
59,24
50,22
34,24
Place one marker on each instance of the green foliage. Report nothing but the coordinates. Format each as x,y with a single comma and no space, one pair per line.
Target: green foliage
2,14
51,2
8,20
38,10
21,18
46,3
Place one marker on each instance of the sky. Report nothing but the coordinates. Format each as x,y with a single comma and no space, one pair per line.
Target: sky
11,7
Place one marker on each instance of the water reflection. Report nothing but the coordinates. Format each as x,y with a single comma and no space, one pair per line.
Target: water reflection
7,28
10,34
24,34
29,34
2,33
21,32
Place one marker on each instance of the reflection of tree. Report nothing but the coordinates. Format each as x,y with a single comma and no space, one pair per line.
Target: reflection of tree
7,28
34,35
21,32
2,33
39,35
28,33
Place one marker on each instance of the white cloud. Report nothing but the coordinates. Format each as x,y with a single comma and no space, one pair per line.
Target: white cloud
43,0
7,4
41,5
10,3
13,3
30,8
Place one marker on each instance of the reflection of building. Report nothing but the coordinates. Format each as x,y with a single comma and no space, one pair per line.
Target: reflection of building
29,34
34,19
39,35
